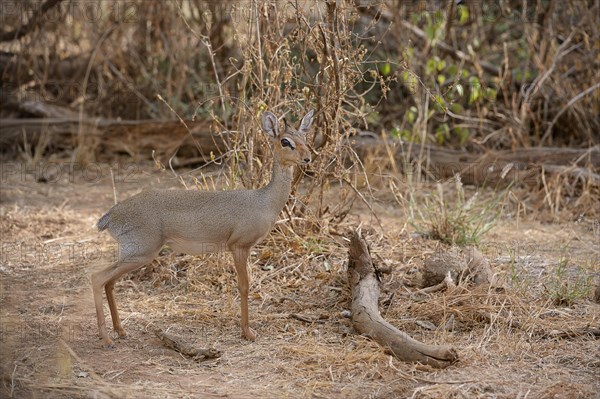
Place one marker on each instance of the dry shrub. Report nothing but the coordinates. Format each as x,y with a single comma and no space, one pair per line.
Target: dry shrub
515,74
509,75
460,219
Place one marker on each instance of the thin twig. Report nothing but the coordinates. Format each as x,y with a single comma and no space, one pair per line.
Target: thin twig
205,40
566,107
23,30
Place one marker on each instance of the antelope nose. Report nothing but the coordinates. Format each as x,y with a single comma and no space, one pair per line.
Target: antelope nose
307,160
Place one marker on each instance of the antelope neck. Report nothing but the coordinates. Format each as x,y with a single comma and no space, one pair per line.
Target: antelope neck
280,186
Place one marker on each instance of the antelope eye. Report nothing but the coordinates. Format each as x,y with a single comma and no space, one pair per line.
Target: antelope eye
286,143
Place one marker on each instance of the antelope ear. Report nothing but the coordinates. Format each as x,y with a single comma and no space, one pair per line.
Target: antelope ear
270,125
306,122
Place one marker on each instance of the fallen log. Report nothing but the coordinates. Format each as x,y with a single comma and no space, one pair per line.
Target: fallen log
139,138
367,320
492,168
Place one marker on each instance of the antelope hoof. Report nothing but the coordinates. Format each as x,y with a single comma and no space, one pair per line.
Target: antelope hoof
107,343
249,334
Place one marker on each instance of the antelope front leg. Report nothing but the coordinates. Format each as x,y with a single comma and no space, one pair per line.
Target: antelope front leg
240,258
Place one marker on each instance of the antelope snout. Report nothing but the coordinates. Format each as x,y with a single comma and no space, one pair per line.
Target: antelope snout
305,161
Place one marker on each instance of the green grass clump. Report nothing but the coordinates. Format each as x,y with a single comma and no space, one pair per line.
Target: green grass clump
564,288
458,220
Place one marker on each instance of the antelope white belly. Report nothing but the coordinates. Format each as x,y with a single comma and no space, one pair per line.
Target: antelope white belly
192,247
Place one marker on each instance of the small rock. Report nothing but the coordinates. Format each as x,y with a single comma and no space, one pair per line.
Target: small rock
452,324
478,266
426,325
439,264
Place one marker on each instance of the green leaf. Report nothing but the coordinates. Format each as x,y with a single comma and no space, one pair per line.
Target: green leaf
474,96
385,69
439,102
441,65
430,32
452,70
491,94
463,14
430,67
443,129
441,79
406,135
462,133
456,108
442,132
475,89
411,115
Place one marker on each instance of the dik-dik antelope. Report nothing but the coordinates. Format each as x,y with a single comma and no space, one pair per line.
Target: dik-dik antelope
196,222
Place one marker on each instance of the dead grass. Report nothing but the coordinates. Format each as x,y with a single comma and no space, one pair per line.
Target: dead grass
503,336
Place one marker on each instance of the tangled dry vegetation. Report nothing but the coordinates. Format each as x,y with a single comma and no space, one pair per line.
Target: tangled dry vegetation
511,340
438,125
506,76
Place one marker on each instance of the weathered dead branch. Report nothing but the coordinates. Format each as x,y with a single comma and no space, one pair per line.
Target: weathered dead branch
367,320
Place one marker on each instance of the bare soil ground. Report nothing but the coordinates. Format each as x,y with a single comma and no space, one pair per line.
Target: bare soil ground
50,348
